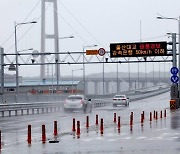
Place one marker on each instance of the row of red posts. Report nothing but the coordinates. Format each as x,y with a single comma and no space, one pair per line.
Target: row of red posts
78,132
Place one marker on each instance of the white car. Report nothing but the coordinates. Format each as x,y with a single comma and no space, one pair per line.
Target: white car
77,102
120,100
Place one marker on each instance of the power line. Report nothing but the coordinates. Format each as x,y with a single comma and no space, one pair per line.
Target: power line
24,34
79,23
18,27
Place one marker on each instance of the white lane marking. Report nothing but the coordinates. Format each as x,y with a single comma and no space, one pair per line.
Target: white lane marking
111,140
112,134
87,140
155,138
126,138
164,134
141,137
157,130
123,134
99,138
175,137
12,122
176,133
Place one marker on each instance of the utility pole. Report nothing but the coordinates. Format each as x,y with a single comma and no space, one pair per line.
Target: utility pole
174,86
2,73
174,49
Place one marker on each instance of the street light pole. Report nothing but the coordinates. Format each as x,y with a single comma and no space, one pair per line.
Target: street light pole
16,52
17,72
73,78
179,52
84,80
57,60
117,77
178,20
72,82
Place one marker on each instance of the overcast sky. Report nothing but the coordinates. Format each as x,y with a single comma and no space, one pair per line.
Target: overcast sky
98,22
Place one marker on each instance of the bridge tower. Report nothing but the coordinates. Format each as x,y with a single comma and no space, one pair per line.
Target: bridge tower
54,36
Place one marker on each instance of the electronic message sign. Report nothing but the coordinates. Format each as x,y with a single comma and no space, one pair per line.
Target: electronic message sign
140,49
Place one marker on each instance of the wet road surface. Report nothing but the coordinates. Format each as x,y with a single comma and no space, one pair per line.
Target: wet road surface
162,135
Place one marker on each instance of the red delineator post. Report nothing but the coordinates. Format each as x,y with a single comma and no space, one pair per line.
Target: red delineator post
164,113
119,122
132,116
154,114
43,133
78,129
74,125
131,119
143,115
55,128
142,118
114,117
161,114
29,134
96,119
150,116
101,127
0,140
87,121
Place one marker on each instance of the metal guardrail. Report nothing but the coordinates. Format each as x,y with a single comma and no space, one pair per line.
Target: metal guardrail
8,109
42,107
132,96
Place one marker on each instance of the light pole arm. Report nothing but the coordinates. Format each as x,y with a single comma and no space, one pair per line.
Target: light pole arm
16,52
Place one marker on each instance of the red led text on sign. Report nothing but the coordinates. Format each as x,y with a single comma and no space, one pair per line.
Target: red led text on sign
138,49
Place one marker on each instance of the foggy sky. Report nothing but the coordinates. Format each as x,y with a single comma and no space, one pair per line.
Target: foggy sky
91,22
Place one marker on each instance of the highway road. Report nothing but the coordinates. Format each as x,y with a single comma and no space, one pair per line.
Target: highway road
162,135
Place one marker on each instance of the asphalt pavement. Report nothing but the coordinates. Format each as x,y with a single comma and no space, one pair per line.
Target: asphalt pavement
161,135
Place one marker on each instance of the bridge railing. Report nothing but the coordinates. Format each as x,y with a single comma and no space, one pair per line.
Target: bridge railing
41,107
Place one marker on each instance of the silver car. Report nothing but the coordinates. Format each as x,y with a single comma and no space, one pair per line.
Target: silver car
120,100
77,102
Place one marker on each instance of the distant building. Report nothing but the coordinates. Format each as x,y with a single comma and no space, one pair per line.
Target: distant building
10,78
45,87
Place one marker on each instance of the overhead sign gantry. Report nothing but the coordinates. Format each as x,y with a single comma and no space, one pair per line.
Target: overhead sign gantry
139,49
